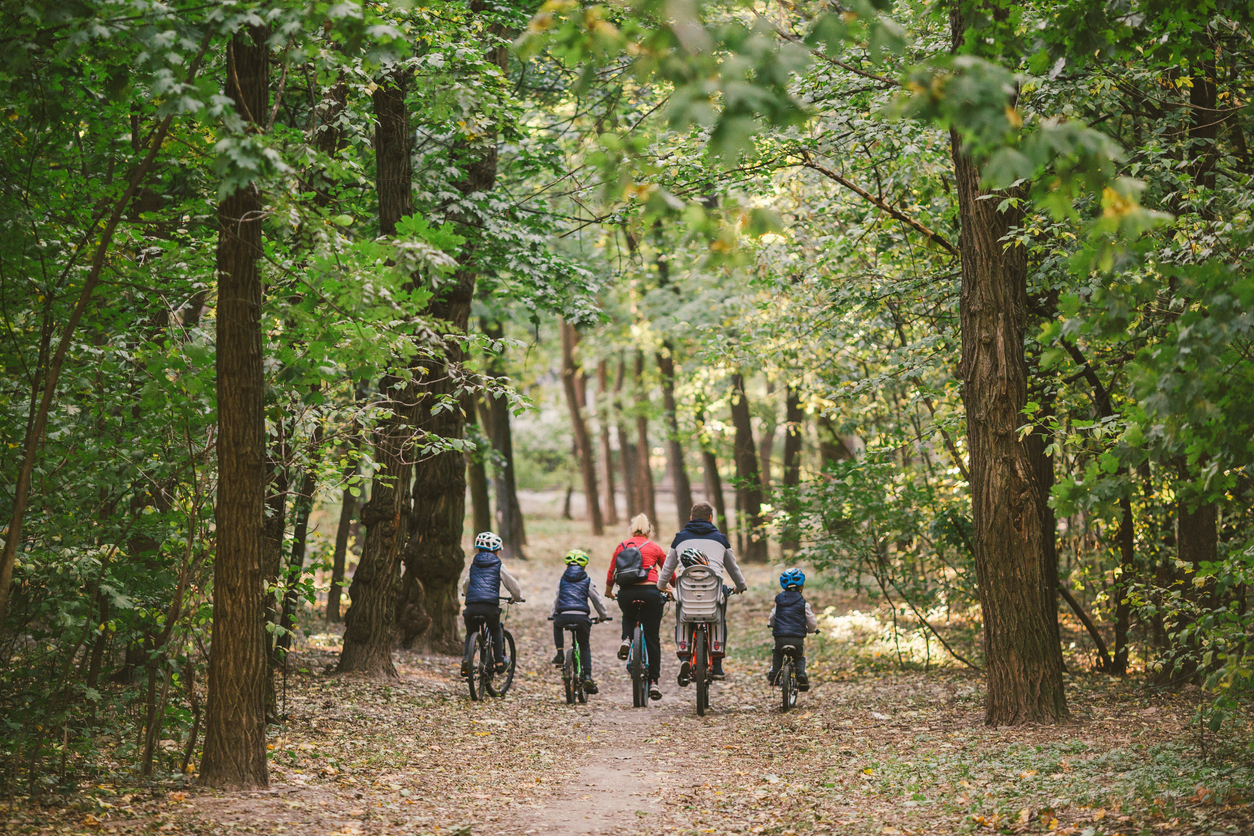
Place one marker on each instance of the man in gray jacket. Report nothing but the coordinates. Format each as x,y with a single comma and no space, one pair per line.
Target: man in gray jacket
701,533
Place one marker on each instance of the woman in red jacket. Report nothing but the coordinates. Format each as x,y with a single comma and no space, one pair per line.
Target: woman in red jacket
641,597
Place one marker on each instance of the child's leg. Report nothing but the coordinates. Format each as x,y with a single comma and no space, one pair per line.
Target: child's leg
582,635
559,638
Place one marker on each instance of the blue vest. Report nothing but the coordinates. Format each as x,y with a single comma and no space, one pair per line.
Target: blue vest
790,613
485,579
572,591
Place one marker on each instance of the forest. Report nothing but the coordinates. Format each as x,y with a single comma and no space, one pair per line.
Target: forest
948,302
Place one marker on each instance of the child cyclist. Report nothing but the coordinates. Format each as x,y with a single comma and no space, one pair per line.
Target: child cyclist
482,589
791,619
570,607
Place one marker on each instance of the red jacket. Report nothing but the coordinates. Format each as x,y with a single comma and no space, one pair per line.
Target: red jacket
652,558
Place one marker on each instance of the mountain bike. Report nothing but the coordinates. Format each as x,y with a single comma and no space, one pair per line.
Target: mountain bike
572,682
699,593
482,678
638,657
786,678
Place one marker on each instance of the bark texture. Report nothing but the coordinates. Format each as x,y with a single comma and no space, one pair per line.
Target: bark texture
235,732
794,417
1024,673
604,419
584,453
749,487
496,419
369,622
476,472
713,480
674,446
644,468
627,451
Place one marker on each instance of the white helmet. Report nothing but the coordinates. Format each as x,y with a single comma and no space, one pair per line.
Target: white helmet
488,542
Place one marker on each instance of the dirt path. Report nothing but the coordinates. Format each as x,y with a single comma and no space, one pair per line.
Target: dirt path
871,751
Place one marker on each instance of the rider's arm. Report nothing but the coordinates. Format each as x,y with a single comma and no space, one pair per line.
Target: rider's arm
770,619
730,567
507,580
812,623
466,585
597,600
668,569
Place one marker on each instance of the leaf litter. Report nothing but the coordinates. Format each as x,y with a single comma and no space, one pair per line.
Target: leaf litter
868,751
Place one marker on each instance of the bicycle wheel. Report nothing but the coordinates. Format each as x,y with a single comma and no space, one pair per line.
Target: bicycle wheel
639,670
501,682
569,674
701,675
476,650
785,680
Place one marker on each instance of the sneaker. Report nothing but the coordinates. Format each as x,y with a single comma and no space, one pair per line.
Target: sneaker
803,682
465,668
624,649
770,676
655,693
717,674
685,670
559,659
589,686
501,666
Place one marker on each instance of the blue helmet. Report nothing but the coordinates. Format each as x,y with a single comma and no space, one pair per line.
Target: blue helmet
792,577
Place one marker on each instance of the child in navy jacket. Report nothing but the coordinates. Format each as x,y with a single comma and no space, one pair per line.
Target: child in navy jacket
791,619
570,607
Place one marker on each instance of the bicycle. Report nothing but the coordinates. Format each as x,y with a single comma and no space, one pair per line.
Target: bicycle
786,678
480,664
698,592
572,682
638,658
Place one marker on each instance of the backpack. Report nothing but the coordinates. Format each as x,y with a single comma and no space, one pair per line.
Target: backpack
629,567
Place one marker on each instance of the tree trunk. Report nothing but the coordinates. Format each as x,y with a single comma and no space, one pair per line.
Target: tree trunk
584,453
1043,468
278,485
767,440
627,451
1127,572
348,510
300,535
749,487
713,481
1023,671
674,447
644,479
476,471
369,622
604,409
509,518
235,723
794,416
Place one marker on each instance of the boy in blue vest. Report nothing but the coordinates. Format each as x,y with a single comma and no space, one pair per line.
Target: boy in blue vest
571,607
482,589
791,619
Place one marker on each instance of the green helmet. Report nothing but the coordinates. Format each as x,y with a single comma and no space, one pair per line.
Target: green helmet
576,557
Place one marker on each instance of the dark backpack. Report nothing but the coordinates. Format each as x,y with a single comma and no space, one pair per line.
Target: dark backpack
629,567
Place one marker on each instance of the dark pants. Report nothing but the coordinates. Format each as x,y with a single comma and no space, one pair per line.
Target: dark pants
583,630
492,614
777,656
644,601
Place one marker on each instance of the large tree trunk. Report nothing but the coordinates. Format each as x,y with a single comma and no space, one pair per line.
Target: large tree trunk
794,417
584,453
496,418
604,409
1043,467
1024,674
433,554
709,466
644,478
278,485
674,447
476,471
627,450
235,731
749,489
369,622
